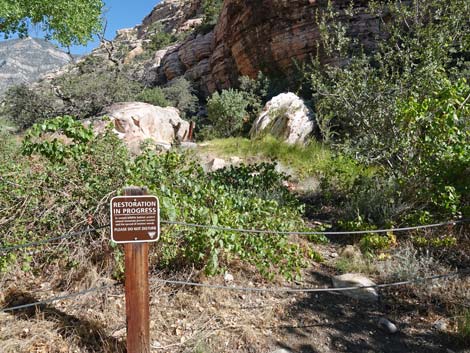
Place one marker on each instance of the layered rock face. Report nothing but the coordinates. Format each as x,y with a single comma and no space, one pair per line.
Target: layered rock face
174,15
258,35
26,60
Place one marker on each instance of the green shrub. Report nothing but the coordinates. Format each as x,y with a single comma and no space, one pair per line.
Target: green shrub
211,10
400,103
227,113
228,198
159,38
25,106
463,325
155,96
63,186
79,137
376,242
180,94
435,147
86,95
57,190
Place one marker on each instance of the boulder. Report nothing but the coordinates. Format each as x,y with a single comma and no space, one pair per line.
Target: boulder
136,122
286,117
215,164
356,280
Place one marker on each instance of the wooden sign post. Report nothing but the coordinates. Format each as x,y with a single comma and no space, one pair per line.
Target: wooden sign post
135,222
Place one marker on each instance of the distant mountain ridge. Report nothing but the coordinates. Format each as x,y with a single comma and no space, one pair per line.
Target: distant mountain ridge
27,60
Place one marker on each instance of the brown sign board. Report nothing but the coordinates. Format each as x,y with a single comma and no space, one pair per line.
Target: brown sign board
135,219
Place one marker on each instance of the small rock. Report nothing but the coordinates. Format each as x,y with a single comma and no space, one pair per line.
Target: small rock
387,326
228,277
188,145
215,164
356,280
440,325
162,147
235,160
282,350
334,254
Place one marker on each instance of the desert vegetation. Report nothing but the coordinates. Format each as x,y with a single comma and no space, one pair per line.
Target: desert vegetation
391,149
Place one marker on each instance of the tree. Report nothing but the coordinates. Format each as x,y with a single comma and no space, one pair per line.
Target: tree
70,22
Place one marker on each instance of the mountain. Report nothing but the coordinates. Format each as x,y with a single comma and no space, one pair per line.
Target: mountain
27,60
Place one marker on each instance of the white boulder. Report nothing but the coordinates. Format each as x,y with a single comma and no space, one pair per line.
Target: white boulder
215,164
356,280
285,117
136,122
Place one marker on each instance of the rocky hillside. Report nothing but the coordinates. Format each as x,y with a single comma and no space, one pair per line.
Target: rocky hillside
26,60
268,36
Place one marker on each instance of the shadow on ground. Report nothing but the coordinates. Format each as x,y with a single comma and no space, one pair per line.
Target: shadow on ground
89,335
329,322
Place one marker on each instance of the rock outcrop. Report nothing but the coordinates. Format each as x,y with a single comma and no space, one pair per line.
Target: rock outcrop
173,15
285,117
356,280
253,36
24,61
136,122
250,36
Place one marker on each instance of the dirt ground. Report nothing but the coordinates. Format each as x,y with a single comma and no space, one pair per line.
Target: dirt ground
203,320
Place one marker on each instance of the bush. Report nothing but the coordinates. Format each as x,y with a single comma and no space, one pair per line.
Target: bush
159,38
463,325
66,186
86,95
228,198
386,104
227,112
59,189
180,94
435,149
25,106
155,96
211,10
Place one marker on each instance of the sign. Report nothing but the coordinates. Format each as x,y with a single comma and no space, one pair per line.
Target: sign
135,219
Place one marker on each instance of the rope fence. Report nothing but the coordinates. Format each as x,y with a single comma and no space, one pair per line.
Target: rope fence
262,231
54,299
50,240
465,272
240,230
311,290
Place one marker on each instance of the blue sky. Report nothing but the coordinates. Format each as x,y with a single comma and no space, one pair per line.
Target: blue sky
119,14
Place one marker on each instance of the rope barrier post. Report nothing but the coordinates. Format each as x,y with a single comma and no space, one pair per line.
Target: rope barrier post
137,289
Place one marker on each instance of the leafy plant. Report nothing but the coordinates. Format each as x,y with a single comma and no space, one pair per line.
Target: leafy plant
401,102
40,139
180,94
24,106
86,95
69,22
155,96
229,199
463,325
227,112
211,10
377,242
